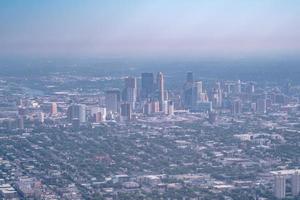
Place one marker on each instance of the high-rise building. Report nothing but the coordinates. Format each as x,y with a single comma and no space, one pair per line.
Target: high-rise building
112,100
21,122
151,107
253,107
236,108
130,91
147,109
190,77
41,117
161,89
250,88
188,96
197,93
155,106
238,87
219,94
126,111
261,105
166,95
98,114
82,113
188,90
219,99
216,97
170,108
77,111
165,107
130,82
53,109
228,88
281,99
279,187
295,183
147,85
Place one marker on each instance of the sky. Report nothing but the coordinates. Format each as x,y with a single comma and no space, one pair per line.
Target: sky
103,28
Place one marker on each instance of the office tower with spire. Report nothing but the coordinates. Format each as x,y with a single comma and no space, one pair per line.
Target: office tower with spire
188,90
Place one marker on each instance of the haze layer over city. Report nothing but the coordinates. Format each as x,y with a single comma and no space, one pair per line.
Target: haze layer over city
149,99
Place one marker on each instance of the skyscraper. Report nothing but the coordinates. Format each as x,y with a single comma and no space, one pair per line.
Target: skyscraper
261,105
147,85
112,100
82,113
219,94
147,110
170,108
250,88
155,106
188,96
165,107
160,83
77,111
188,90
238,87
190,77
125,111
130,91
197,92
236,108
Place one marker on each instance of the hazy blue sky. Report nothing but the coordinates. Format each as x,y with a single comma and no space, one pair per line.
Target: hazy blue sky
148,27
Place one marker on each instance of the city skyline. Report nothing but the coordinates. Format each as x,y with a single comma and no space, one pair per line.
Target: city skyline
107,138
149,99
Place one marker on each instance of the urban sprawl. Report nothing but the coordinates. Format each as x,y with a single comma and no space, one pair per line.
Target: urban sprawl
208,139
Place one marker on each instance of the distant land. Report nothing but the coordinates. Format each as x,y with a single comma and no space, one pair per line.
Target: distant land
280,68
